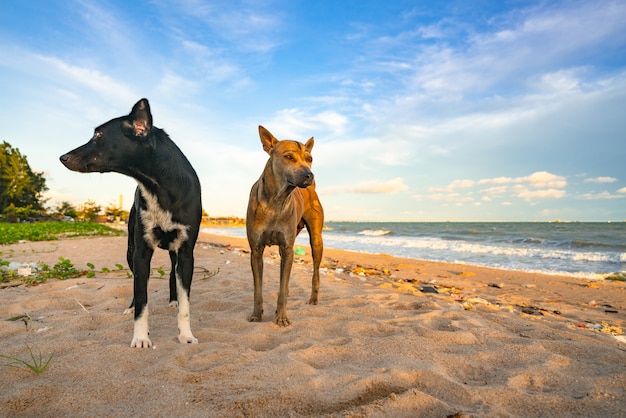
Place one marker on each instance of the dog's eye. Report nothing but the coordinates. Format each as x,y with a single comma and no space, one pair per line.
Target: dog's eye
97,135
309,159
289,157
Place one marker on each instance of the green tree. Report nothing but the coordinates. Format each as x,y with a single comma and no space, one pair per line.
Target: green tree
19,185
65,209
88,211
112,211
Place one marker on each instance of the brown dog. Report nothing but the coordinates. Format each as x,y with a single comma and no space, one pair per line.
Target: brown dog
282,202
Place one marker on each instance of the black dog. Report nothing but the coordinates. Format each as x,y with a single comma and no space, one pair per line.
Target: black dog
166,212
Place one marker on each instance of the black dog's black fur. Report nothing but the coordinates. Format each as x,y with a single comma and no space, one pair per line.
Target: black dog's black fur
167,208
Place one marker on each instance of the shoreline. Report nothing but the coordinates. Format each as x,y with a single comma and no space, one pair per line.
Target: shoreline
347,264
450,276
380,342
583,275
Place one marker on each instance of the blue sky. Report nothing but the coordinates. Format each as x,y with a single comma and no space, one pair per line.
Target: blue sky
442,110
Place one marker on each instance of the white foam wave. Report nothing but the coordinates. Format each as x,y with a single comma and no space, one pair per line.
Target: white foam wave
477,248
522,257
374,233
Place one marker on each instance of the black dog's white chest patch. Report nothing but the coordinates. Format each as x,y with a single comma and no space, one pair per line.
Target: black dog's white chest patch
159,230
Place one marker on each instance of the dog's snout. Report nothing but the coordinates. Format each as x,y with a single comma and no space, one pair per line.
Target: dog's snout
65,159
71,161
306,179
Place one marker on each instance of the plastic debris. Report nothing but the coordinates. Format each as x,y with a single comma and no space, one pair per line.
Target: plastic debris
479,300
21,269
531,310
299,250
602,327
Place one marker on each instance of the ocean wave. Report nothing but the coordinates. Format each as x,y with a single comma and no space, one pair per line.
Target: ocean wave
585,244
375,232
529,240
411,246
565,243
549,256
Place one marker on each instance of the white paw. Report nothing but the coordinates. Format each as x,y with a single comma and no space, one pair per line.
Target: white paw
141,343
187,339
129,311
174,304
141,334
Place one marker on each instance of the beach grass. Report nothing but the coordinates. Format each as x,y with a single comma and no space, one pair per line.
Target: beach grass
37,364
47,231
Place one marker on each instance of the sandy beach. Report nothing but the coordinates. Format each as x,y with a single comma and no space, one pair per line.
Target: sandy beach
390,337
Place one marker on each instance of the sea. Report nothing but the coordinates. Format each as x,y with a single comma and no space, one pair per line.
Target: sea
593,250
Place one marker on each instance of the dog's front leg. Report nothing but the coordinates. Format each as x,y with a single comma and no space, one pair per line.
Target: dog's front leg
317,248
184,275
256,262
141,273
173,293
286,262
130,251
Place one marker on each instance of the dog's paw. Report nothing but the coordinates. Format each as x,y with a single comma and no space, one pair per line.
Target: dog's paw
282,321
174,304
313,301
187,339
129,311
256,317
141,343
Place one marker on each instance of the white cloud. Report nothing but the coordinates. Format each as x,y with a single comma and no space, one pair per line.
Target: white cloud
541,194
514,49
295,123
211,64
561,81
601,180
245,27
497,180
537,179
605,195
456,184
173,85
538,185
456,198
92,79
543,179
369,187
497,190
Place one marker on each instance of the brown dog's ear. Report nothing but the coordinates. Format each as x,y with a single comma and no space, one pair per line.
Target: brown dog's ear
267,139
309,144
141,119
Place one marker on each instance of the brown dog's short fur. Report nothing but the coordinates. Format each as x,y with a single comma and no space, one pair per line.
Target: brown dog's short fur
282,202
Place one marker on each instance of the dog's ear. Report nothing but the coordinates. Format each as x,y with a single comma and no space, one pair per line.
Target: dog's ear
309,144
140,119
267,139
